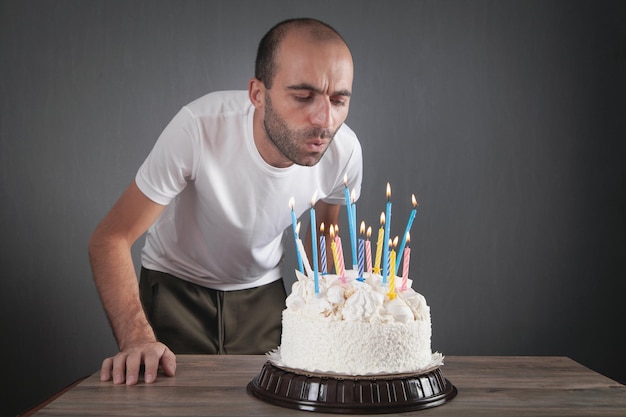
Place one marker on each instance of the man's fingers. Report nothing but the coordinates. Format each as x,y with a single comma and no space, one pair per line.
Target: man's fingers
105,370
133,363
168,362
119,368
126,365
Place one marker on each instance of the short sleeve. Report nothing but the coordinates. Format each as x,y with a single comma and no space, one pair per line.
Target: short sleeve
170,164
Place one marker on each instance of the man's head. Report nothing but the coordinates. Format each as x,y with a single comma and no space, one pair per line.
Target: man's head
301,91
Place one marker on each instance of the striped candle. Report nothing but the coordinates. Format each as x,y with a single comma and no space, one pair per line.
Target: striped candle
323,250
405,266
368,251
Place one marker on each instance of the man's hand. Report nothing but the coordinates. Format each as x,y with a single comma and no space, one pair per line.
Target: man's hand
126,364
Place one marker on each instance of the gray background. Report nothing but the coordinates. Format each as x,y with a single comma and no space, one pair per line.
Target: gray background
505,118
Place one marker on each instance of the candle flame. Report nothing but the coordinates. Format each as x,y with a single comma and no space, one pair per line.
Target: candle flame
298,228
345,179
332,232
322,228
395,242
414,201
408,237
292,203
362,228
388,191
382,218
369,232
337,229
353,196
314,198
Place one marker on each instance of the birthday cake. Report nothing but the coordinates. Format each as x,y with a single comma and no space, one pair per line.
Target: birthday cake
357,341
355,327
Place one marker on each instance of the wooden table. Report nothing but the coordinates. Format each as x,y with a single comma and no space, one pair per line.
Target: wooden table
487,386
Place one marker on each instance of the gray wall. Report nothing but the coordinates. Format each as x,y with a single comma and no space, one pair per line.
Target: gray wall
505,118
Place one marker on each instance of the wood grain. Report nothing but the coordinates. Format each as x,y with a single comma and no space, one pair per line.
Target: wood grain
488,386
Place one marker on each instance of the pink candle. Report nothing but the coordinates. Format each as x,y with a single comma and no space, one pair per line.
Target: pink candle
368,250
405,265
405,277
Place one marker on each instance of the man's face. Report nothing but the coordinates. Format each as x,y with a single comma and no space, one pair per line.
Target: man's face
302,146
309,99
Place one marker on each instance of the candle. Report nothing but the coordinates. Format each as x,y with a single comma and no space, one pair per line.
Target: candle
406,258
305,258
314,255
368,251
408,227
295,233
353,199
336,252
392,277
386,239
351,223
362,251
342,268
379,244
323,250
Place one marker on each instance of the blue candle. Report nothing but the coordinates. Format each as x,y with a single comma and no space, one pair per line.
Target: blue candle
406,232
314,254
386,237
295,233
351,223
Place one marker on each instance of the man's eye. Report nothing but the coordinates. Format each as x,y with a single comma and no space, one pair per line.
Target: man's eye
303,99
338,101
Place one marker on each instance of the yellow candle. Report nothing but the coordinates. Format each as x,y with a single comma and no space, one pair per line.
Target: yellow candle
392,269
333,248
379,244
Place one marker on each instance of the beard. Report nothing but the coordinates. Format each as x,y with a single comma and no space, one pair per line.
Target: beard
289,141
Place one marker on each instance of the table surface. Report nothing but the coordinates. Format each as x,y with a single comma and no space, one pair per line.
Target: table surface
487,386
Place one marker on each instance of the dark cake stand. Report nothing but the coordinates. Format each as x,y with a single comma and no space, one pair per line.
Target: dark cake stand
329,393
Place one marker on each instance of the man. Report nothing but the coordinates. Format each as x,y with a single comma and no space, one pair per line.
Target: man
214,194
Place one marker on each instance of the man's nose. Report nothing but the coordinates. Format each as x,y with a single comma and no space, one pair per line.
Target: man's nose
322,113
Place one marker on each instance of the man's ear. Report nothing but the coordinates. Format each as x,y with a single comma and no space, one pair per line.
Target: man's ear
256,92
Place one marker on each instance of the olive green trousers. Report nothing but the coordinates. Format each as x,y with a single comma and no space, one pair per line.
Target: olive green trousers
191,319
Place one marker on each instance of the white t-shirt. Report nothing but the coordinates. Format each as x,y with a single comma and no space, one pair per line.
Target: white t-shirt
227,208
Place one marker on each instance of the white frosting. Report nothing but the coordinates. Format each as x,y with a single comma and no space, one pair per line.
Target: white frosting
355,327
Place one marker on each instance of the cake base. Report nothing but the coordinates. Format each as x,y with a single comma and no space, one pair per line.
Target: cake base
351,395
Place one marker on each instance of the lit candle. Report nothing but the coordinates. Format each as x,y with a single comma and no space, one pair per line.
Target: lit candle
386,239
379,244
408,228
392,277
323,250
335,247
362,251
295,233
351,222
368,251
406,259
314,255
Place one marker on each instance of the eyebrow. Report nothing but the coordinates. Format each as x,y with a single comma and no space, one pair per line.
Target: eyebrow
309,87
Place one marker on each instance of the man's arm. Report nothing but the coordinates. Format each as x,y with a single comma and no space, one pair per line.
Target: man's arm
116,281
